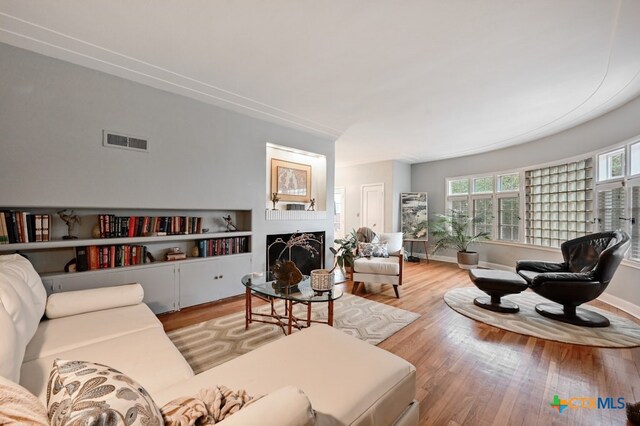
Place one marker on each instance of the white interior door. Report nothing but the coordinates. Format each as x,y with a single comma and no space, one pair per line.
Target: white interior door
372,212
339,214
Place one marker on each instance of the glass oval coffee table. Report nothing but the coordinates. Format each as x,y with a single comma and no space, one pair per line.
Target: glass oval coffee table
264,288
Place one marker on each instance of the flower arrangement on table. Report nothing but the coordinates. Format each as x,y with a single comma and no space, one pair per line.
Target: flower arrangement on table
285,271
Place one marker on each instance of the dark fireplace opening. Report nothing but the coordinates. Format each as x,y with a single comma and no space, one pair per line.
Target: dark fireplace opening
305,260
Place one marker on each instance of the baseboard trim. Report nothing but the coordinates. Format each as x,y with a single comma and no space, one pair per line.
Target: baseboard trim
482,263
621,304
616,302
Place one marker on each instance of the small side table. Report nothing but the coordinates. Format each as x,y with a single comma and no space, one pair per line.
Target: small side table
411,257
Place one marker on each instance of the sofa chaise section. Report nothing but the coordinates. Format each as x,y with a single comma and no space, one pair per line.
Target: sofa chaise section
348,381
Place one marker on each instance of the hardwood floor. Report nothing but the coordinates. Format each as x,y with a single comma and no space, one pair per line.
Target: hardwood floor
469,373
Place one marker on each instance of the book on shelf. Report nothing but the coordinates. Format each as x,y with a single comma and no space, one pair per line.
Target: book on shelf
4,235
23,227
112,226
90,258
82,259
223,246
175,256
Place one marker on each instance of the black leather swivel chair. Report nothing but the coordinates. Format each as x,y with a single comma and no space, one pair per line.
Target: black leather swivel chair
588,267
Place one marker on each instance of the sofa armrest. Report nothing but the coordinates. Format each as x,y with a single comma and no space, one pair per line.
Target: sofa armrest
285,406
82,301
398,254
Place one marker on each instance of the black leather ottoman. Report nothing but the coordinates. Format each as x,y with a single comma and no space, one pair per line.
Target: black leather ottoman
497,284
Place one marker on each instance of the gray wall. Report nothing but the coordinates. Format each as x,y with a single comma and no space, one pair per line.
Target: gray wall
52,114
614,127
352,178
396,177
401,183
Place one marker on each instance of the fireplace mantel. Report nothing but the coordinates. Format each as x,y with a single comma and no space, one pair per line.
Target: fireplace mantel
295,215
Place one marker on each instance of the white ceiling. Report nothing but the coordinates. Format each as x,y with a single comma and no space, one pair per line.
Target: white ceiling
412,80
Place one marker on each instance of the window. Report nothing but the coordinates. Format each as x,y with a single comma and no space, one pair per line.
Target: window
483,185
477,197
611,165
611,206
509,218
510,182
635,158
619,201
635,225
548,205
483,215
558,203
461,207
459,187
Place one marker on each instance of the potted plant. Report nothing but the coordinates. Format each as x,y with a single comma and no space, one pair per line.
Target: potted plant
455,230
345,251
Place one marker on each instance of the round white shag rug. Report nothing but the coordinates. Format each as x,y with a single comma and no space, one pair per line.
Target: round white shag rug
622,333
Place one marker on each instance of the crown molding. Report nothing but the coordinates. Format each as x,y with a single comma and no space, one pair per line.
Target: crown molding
30,36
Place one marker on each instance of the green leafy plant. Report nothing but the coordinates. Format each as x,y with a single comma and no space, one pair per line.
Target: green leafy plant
345,250
455,230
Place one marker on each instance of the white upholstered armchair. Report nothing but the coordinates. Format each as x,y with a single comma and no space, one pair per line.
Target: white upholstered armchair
381,270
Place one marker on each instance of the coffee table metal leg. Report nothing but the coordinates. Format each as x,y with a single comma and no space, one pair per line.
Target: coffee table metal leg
308,314
330,316
247,309
289,303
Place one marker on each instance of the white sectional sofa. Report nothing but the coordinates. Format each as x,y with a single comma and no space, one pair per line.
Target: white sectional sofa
345,381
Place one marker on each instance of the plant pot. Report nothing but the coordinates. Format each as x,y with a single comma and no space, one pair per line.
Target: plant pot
322,280
468,259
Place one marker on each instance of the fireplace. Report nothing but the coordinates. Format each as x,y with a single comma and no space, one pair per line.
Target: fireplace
304,260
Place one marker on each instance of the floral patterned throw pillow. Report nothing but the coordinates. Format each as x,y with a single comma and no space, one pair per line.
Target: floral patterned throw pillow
373,249
85,393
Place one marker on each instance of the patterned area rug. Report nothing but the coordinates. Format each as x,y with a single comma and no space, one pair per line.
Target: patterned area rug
214,342
622,333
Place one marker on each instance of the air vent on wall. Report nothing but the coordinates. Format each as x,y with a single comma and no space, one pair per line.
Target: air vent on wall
115,140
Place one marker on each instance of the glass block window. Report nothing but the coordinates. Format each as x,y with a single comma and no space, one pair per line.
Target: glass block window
459,187
611,209
611,165
558,203
509,218
635,158
483,185
510,182
483,215
634,252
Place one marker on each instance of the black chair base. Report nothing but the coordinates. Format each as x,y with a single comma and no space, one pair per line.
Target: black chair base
495,304
572,315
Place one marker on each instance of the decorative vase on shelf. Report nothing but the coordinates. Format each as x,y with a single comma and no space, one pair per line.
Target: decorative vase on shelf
95,231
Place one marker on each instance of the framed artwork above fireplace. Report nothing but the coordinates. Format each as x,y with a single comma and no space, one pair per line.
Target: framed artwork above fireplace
291,181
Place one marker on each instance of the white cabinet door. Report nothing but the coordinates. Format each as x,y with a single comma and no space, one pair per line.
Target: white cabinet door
212,279
158,281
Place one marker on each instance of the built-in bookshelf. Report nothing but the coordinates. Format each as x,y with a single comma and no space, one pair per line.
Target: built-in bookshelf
23,227
123,242
223,246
